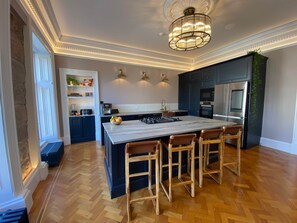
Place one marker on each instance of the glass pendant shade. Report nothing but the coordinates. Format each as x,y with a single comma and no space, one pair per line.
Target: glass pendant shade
191,31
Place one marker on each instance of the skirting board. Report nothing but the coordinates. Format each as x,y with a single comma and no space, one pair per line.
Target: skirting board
30,184
15,203
279,145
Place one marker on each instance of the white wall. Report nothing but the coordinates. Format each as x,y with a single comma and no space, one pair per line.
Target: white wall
280,100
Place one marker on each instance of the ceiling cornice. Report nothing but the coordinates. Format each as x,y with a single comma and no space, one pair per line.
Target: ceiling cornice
273,39
44,17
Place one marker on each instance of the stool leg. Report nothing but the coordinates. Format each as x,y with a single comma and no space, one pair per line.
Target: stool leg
200,164
221,161
188,163
157,186
223,153
170,172
179,164
193,172
238,156
204,154
207,154
161,163
150,173
128,186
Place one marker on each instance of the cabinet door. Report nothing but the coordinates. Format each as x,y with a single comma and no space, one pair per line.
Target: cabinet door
194,98
88,127
209,76
75,127
234,71
196,75
183,94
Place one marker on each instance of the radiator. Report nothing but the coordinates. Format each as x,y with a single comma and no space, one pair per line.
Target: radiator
14,216
53,153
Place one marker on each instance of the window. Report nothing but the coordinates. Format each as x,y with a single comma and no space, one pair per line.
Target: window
45,95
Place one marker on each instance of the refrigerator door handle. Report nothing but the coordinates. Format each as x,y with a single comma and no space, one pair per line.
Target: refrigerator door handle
223,116
236,117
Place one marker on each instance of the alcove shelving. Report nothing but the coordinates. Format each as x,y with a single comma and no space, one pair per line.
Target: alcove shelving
80,104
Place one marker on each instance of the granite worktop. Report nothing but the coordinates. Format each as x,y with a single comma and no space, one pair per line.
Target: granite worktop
141,113
136,130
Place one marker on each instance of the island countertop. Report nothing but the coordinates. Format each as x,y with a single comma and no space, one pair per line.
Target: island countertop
130,131
142,113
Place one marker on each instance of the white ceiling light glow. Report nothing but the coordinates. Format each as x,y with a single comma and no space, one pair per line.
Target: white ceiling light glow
191,31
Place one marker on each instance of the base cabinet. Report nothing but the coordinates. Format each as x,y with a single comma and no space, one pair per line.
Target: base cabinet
82,128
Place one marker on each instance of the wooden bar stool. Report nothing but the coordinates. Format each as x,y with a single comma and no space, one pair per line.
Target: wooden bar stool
233,133
168,114
207,138
137,152
178,144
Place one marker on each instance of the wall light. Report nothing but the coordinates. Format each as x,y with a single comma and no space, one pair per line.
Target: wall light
121,74
164,78
145,77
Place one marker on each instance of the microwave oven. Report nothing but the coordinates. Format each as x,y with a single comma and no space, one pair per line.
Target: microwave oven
207,94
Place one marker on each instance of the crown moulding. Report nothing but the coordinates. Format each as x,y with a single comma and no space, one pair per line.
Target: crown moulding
172,9
273,39
276,38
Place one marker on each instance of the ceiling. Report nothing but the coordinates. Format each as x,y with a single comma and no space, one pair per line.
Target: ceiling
129,31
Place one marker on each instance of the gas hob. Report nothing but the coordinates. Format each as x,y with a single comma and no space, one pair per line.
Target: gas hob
156,120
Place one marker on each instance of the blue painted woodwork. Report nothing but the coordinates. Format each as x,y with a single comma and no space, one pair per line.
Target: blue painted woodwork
14,216
53,153
82,128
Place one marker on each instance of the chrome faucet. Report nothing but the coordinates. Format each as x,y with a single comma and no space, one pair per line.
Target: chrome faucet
163,105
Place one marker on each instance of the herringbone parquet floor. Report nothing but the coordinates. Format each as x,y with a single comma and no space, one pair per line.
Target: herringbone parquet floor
77,191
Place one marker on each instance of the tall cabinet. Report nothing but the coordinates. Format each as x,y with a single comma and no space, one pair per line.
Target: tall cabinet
250,68
80,105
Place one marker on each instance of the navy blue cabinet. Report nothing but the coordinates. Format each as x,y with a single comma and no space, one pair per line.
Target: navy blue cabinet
82,128
190,83
183,91
194,97
209,76
235,70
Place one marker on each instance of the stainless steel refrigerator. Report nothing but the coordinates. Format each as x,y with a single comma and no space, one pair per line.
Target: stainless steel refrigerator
230,102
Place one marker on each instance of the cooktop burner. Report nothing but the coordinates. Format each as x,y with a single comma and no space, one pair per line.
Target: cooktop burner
155,120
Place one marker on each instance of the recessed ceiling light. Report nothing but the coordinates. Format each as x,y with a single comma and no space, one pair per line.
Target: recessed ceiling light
163,34
230,26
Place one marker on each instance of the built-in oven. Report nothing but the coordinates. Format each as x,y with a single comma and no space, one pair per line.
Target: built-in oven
206,102
206,110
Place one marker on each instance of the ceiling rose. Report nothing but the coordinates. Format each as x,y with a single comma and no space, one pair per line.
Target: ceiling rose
173,9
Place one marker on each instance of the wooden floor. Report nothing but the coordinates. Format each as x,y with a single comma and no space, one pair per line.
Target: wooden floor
77,191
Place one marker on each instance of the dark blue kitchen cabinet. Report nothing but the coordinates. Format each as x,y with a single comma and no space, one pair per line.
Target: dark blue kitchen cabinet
82,128
76,129
235,70
194,97
209,76
183,91
195,75
250,68
190,83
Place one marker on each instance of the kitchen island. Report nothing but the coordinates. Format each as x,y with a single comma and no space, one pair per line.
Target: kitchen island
116,136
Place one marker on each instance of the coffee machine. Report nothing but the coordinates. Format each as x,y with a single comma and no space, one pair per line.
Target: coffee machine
105,108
